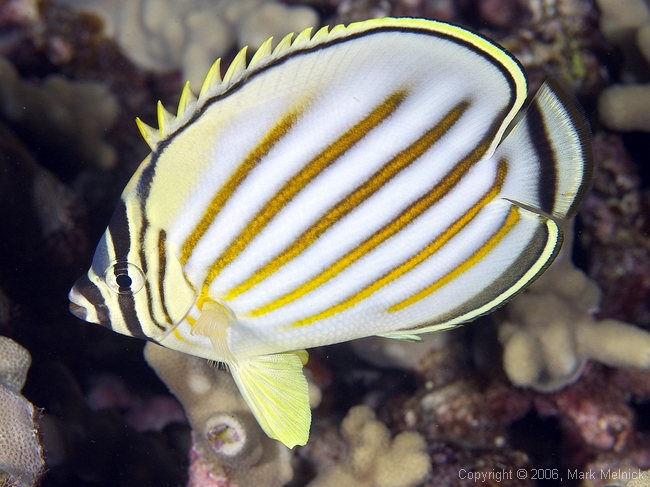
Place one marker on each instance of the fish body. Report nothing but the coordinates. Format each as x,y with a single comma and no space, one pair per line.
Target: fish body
353,183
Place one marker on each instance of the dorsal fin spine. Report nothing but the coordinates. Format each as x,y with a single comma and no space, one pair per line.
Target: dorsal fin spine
188,98
236,68
283,46
320,35
262,54
303,39
211,81
338,29
165,120
149,133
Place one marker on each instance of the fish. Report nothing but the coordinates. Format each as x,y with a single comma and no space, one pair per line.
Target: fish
375,179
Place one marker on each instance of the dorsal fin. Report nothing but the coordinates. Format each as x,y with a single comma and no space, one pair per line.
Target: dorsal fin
214,85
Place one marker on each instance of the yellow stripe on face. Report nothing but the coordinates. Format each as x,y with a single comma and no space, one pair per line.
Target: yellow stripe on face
298,182
416,259
353,200
487,247
227,190
393,227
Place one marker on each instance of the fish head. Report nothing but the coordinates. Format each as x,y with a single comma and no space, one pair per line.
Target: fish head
135,286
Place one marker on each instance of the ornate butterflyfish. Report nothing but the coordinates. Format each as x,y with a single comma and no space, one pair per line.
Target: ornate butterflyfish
364,180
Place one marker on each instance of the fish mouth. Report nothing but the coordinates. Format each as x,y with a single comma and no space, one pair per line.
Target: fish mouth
78,311
79,305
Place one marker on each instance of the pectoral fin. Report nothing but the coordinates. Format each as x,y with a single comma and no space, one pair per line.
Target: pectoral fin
275,389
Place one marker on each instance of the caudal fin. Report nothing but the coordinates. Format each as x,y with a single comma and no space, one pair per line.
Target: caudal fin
549,151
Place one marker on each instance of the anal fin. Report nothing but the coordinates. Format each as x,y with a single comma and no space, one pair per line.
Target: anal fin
413,335
276,391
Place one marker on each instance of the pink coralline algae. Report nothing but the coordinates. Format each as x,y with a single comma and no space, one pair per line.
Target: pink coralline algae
593,414
201,473
456,466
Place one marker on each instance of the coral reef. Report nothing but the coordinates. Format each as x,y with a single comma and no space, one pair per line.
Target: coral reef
373,459
642,480
626,23
60,114
227,441
107,421
549,332
600,424
50,224
616,220
163,35
98,447
473,422
21,454
398,353
555,38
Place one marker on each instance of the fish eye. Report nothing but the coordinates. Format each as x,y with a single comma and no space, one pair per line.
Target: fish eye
124,278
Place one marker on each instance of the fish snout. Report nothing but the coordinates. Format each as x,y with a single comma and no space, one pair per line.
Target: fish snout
78,311
80,306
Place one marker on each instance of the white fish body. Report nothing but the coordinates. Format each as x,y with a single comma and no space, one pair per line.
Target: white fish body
349,184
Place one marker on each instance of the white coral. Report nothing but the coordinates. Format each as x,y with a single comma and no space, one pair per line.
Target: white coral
60,113
227,441
626,23
374,460
162,35
550,331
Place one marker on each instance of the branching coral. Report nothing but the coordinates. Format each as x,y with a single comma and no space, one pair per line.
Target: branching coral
550,331
626,23
374,460
62,115
21,455
50,217
228,444
162,35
